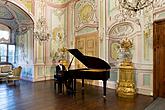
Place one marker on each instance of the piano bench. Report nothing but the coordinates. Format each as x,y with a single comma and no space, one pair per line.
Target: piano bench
56,84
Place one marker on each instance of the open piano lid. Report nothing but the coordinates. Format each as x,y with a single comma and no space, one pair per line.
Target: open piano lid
88,61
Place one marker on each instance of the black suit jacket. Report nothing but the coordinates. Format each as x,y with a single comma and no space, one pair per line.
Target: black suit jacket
58,69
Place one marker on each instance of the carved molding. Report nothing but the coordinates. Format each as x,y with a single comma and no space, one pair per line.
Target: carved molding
121,29
85,15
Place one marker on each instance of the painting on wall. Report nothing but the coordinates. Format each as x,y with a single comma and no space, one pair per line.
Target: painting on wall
115,50
58,32
85,14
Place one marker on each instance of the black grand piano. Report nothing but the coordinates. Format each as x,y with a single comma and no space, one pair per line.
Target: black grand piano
97,69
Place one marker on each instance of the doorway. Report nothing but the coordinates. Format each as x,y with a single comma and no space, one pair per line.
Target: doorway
159,59
88,45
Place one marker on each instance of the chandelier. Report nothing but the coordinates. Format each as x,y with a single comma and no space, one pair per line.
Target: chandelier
135,5
41,30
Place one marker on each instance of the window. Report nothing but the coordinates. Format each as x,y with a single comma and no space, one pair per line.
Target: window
4,34
3,52
7,53
11,53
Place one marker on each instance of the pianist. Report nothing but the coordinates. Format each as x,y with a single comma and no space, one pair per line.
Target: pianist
59,75
63,78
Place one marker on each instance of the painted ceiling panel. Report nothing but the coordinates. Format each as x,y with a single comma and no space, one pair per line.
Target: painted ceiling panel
15,18
12,15
18,12
5,13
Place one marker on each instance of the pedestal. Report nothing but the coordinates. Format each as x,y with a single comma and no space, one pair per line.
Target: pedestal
126,84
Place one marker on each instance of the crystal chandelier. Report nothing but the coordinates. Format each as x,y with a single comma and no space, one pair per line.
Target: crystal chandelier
41,30
135,5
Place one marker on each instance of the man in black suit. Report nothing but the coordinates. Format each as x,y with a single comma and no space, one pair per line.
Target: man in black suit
60,75
63,78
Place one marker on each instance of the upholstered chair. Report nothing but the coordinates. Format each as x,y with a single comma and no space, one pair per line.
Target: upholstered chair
15,75
4,71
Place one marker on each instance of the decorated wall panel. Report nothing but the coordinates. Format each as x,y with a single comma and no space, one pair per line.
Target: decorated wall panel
86,14
24,54
49,52
139,30
58,33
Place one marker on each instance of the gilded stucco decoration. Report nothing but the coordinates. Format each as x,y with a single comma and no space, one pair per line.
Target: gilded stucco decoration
147,33
159,4
28,4
115,50
116,33
121,29
158,10
85,14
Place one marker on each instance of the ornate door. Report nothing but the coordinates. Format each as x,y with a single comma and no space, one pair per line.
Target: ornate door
88,45
159,59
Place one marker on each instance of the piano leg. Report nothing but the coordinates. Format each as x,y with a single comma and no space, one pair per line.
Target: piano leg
74,85
104,87
82,84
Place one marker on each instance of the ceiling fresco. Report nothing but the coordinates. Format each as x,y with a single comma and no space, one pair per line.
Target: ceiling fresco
13,16
5,13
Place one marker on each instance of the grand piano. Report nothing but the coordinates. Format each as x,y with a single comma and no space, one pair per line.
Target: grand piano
97,69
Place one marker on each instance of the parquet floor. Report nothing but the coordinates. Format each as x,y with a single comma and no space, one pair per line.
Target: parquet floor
42,96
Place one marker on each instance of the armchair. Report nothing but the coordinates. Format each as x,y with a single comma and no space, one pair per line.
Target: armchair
15,75
4,71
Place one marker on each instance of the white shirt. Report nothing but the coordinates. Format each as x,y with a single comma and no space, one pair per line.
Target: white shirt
60,67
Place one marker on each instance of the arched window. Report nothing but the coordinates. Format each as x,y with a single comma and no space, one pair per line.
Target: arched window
7,50
4,34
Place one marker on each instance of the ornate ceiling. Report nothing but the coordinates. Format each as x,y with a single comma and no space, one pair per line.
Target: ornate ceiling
14,17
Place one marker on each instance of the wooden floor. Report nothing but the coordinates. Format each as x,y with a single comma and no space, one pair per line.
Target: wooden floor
42,96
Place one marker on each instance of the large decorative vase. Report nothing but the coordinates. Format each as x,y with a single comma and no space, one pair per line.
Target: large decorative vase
126,82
